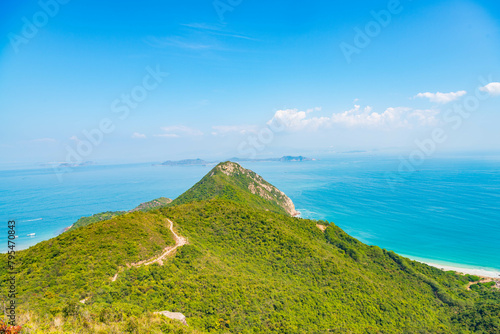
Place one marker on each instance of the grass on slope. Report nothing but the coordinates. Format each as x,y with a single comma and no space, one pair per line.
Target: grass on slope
250,271
244,271
84,221
75,264
146,206
235,187
154,204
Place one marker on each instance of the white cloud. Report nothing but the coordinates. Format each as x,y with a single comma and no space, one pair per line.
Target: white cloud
137,135
313,109
392,117
179,131
168,135
295,120
229,129
493,88
442,97
427,117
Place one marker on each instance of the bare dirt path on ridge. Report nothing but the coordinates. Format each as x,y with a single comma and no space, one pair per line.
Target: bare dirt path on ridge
179,241
484,280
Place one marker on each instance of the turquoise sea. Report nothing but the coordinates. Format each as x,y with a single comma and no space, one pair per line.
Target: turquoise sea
447,212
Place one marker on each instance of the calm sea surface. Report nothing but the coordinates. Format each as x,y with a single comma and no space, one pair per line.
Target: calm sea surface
446,212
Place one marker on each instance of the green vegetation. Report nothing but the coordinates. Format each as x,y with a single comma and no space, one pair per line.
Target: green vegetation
84,221
246,269
102,319
484,315
485,284
73,265
230,181
147,206
472,278
154,204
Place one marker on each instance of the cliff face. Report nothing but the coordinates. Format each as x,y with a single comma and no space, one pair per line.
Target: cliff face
258,186
229,180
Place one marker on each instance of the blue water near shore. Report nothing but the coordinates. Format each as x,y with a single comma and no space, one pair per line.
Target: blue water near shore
448,211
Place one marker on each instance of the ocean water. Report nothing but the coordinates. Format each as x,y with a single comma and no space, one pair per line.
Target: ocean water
446,212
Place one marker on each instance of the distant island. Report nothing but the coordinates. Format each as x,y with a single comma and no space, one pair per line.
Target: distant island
298,158
67,164
286,158
201,162
186,162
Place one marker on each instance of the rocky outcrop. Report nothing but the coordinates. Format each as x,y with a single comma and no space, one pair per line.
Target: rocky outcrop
174,315
260,187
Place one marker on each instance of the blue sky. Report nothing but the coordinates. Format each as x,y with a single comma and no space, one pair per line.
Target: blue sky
245,78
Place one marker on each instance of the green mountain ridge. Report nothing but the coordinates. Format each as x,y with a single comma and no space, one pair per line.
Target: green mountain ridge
146,206
151,205
248,267
228,180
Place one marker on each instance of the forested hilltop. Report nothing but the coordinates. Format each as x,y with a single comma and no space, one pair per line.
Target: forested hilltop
245,265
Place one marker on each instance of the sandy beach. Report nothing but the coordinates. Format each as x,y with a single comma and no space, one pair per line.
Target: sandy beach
471,271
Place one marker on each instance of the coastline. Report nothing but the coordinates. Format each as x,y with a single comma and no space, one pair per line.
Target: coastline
67,228
471,271
481,272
